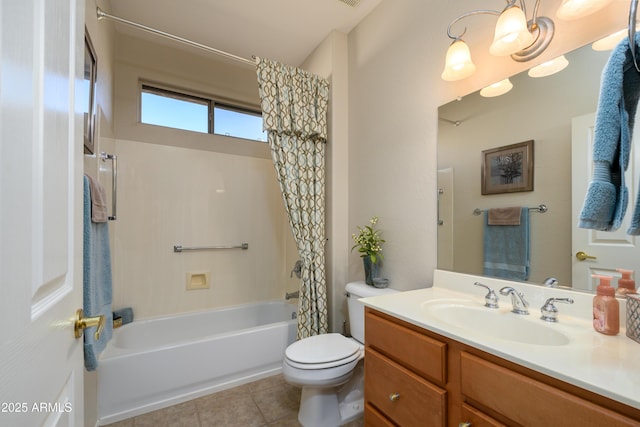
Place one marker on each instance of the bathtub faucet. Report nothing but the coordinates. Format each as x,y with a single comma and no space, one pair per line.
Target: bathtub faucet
290,295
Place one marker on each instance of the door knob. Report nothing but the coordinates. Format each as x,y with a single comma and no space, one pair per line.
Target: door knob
83,323
583,256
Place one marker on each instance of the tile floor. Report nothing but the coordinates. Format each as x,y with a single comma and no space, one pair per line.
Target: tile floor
269,402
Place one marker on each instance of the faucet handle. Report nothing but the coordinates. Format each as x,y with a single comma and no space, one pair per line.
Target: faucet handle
491,299
549,310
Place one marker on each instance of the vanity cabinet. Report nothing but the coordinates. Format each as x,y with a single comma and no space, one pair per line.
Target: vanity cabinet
414,377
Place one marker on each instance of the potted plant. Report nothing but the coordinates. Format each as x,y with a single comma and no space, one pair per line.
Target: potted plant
369,244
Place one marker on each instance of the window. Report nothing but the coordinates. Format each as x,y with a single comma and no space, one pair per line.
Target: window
164,107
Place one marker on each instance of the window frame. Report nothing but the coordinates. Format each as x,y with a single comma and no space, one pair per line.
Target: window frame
212,102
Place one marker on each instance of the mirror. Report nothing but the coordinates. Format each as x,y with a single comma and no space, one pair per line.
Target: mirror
538,109
88,91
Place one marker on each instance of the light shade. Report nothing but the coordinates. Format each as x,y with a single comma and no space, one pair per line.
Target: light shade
512,33
611,41
574,9
458,64
497,89
550,67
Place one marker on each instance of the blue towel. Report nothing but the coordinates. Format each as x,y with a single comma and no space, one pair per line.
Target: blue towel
607,197
506,248
96,280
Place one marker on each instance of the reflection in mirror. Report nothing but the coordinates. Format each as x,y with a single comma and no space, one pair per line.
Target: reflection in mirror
539,109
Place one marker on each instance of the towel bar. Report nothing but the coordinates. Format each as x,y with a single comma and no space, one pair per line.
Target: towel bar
114,181
539,208
180,248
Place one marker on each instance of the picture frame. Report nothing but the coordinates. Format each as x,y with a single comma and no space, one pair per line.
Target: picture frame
89,93
508,169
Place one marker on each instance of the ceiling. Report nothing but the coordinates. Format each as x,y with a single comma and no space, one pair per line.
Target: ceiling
283,30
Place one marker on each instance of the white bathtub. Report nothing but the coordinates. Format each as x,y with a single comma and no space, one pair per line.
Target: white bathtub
155,363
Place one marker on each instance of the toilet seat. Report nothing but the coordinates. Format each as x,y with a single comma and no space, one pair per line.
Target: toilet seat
322,352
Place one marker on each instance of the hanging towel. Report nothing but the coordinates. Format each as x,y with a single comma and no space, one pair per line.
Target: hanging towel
96,280
505,216
506,248
607,196
98,201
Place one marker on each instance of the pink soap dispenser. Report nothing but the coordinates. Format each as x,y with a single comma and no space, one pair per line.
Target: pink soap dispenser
606,309
626,285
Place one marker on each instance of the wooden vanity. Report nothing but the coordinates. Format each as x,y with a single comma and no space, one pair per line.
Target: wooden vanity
415,377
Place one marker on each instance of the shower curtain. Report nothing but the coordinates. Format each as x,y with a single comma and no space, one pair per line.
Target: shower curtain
294,114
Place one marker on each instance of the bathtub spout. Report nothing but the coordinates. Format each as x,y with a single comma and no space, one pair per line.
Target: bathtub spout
290,295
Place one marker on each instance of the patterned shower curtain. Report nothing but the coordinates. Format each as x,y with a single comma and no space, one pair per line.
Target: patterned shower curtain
294,114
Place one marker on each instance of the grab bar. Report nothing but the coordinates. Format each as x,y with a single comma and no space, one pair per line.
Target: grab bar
114,181
180,248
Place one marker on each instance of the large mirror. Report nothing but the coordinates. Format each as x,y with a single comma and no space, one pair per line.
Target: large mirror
551,111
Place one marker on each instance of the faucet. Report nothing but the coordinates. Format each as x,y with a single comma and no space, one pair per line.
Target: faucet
520,305
290,295
549,311
491,299
550,282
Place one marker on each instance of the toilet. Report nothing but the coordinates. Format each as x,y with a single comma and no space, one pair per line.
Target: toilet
329,368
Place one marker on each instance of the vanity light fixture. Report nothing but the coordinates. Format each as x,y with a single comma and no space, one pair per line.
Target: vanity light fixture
514,35
610,41
574,9
550,67
497,89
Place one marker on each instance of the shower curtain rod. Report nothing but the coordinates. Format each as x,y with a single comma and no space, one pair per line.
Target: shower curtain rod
103,15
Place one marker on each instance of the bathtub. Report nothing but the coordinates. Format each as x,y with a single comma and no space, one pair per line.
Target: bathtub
155,363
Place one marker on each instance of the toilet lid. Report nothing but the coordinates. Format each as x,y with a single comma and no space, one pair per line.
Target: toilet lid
321,349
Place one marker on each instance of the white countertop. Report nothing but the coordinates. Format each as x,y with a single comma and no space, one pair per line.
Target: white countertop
607,365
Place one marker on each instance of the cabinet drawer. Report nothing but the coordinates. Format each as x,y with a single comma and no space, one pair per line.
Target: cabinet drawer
422,354
417,401
529,402
373,418
476,418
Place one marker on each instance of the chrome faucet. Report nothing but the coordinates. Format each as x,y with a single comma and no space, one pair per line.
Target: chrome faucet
520,305
289,295
549,311
551,282
491,299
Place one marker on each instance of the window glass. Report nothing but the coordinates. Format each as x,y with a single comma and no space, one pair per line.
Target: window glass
241,124
173,110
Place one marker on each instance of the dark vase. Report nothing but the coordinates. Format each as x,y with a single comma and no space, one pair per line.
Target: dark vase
370,270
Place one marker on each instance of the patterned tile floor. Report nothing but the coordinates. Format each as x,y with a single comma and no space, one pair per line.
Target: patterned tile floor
269,402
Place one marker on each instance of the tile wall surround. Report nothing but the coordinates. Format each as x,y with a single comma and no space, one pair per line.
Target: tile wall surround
171,195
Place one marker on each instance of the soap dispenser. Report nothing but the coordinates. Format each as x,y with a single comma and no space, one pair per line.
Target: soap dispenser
626,285
606,309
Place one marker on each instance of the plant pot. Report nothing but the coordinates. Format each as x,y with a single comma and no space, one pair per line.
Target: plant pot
370,270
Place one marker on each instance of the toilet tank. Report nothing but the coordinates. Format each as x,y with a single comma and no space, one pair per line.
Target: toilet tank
355,291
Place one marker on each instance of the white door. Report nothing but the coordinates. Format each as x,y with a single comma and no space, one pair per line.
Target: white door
610,250
41,61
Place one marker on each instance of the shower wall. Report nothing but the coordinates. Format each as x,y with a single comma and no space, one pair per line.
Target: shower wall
193,189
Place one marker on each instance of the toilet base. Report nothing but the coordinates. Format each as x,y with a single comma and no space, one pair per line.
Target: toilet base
333,406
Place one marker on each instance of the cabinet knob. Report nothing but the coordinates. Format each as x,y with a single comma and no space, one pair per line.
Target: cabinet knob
465,424
394,397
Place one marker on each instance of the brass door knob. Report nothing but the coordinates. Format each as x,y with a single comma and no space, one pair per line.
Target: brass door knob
83,323
581,256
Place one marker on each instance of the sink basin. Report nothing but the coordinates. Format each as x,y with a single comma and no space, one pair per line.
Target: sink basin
496,323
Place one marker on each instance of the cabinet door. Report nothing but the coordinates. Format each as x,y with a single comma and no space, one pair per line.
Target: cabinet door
529,402
373,418
404,397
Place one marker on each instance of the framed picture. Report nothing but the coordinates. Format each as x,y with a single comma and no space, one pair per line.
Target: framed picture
89,93
508,169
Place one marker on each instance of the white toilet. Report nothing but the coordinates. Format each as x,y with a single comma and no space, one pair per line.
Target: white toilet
329,367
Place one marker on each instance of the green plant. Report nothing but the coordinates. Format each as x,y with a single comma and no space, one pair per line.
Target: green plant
368,241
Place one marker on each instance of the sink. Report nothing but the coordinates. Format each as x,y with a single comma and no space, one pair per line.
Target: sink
496,323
